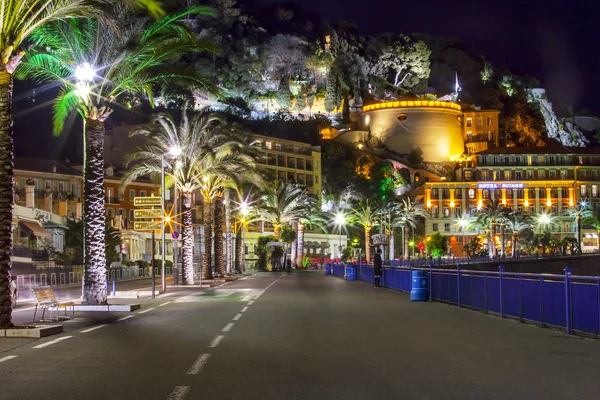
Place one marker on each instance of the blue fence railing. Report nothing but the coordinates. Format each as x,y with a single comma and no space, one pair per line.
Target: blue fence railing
568,301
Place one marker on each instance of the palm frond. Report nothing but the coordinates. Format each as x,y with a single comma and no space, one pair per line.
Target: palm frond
64,104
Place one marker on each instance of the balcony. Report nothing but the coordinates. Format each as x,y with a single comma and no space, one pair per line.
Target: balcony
40,255
22,251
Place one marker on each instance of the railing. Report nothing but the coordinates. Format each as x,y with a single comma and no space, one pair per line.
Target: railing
22,251
565,301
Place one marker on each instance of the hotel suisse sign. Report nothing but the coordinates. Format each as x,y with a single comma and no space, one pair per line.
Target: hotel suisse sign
500,186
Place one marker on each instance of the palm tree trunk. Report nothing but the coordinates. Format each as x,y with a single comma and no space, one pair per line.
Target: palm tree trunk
405,244
294,255
228,234
392,244
513,251
239,250
94,283
6,196
493,240
207,255
368,244
187,247
578,232
277,231
218,235
300,240
502,246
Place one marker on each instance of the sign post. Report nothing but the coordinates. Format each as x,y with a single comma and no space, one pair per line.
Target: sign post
152,214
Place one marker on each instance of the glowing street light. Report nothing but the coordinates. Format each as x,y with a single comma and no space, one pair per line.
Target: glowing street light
340,220
85,72
244,209
175,151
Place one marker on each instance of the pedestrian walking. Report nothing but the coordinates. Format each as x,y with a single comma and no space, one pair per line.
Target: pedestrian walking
12,289
288,265
378,267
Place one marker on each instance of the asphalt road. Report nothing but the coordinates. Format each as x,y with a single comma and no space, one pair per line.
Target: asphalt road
304,336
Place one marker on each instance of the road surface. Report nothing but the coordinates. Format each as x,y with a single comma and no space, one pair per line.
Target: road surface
302,336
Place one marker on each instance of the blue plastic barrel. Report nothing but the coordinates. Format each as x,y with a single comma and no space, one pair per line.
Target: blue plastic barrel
419,290
350,272
327,269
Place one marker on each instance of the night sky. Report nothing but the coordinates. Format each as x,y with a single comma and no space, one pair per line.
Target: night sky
556,41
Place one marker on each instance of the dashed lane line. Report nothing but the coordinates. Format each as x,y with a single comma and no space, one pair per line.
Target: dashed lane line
179,393
93,329
198,364
237,317
164,304
216,341
245,309
7,358
147,310
60,339
251,302
125,318
228,327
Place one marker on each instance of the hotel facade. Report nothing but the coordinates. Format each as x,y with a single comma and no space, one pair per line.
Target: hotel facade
530,179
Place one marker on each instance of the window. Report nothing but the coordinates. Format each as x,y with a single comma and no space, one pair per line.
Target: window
552,174
131,194
142,193
110,213
131,215
469,136
280,160
532,209
272,160
300,179
309,166
457,211
309,180
565,193
529,161
532,193
269,145
278,146
291,177
541,174
594,190
300,163
542,193
486,194
529,175
434,227
479,121
434,211
468,175
61,187
281,175
469,122
458,194
490,121
110,194
496,174
520,193
484,175
554,209
554,193
563,174
291,162
446,227
121,195
445,194
471,193
580,160
509,193
518,175
446,212
507,175
434,193
583,190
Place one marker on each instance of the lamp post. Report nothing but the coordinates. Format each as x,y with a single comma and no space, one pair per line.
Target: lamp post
174,152
244,211
340,219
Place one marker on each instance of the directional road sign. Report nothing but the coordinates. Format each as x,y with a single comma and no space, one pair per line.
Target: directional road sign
146,226
147,213
147,201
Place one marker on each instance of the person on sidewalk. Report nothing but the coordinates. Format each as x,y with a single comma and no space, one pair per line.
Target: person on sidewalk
288,266
377,267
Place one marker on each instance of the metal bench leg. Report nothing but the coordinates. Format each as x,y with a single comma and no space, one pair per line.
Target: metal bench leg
35,312
43,313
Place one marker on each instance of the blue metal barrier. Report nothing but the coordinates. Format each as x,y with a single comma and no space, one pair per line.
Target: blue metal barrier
338,270
566,301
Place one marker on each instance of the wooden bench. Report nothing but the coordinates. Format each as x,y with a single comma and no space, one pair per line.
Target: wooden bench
46,299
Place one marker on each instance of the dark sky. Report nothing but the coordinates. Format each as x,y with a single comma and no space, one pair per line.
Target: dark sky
556,41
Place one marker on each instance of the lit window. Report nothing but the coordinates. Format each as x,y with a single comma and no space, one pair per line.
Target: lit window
594,190
479,121
529,161
278,146
434,211
469,122
486,194
583,190
446,212
131,194
269,145
507,175
471,193
541,174
490,121
446,227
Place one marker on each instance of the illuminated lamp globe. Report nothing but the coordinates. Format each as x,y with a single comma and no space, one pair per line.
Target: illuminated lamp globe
85,72
340,219
175,151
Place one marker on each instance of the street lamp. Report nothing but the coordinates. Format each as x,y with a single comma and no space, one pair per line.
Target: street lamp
174,151
340,219
244,210
84,72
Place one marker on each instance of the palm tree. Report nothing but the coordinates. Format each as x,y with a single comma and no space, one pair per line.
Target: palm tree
313,218
18,20
282,204
109,66
580,213
487,218
408,215
364,215
189,137
517,222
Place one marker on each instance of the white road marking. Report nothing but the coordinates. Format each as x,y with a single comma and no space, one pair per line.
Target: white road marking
7,358
164,304
94,328
228,327
179,393
198,364
237,317
251,302
145,311
60,339
125,318
245,309
216,341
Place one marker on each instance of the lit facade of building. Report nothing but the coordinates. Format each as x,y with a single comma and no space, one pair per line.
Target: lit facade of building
529,179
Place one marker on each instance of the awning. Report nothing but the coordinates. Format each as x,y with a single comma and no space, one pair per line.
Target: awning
34,228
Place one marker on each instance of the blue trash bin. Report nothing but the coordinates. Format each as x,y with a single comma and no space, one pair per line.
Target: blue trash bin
419,290
350,272
327,269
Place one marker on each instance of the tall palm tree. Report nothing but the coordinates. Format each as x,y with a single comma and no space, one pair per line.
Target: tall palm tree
487,218
109,67
366,216
282,204
517,222
18,20
409,213
189,137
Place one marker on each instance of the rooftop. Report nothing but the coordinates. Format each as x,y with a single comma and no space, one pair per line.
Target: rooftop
46,166
541,150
